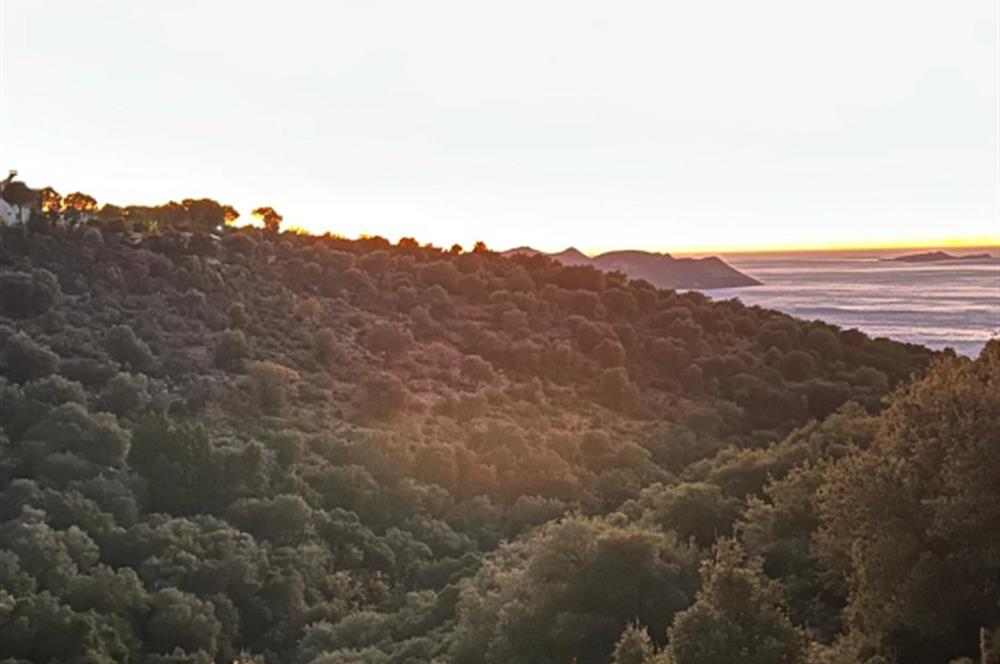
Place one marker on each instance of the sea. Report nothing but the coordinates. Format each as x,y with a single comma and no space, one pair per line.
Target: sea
945,304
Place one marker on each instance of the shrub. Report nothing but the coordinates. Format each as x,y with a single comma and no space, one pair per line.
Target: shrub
270,382
826,343
27,294
609,353
438,301
381,396
22,359
477,369
616,390
387,339
586,334
55,390
230,350
358,283
181,620
283,518
123,346
71,428
328,349
581,277
441,273
798,365
620,302
203,244
237,314
125,394
739,616
668,356
241,244
90,372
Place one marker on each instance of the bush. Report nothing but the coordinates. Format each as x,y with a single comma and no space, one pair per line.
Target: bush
181,620
22,359
27,294
239,243
90,372
270,382
237,314
230,350
125,394
477,369
586,334
123,346
328,349
283,518
616,390
826,343
71,428
55,391
387,339
620,302
798,365
381,396
609,353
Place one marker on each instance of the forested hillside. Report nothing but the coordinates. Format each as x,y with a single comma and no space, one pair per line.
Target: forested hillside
293,449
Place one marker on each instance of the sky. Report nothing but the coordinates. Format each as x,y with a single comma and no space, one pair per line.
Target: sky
719,125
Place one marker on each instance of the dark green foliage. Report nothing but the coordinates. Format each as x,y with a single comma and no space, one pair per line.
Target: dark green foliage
915,515
230,348
634,647
181,620
738,617
282,518
569,591
125,394
380,396
270,383
346,451
694,510
387,340
123,346
27,293
71,428
23,359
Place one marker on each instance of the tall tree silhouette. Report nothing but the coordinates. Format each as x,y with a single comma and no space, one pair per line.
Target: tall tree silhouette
269,217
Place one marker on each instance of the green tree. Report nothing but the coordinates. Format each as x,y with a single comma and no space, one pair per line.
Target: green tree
634,647
917,515
124,346
270,382
22,359
570,590
181,620
738,616
269,217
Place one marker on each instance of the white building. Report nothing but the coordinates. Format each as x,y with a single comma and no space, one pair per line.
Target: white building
12,214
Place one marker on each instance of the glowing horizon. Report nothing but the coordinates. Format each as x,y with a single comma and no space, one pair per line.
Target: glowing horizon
466,240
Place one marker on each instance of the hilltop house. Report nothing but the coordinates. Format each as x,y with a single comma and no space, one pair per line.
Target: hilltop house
11,213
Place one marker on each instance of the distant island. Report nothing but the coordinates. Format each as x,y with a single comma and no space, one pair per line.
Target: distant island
661,270
937,256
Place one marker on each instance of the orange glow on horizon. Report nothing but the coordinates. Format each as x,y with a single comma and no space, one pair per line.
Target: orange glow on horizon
984,242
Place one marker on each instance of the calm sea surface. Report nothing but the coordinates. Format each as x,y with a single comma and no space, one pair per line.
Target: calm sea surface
939,304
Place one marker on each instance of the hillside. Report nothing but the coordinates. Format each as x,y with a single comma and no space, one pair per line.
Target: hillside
288,448
660,270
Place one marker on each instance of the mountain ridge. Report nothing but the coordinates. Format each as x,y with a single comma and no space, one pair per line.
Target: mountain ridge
938,256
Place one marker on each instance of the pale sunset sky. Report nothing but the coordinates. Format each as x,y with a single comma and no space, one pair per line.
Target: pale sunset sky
664,125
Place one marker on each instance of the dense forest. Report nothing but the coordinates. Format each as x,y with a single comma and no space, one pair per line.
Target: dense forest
266,447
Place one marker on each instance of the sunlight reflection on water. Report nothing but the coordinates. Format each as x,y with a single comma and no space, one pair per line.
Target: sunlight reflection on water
938,305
